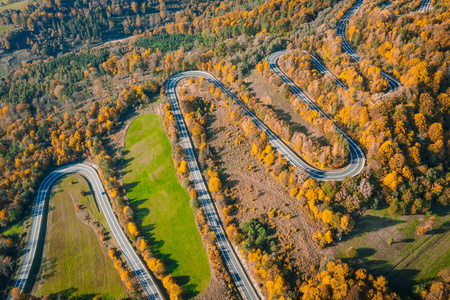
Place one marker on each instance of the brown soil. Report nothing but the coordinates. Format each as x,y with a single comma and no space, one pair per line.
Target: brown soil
215,290
283,108
256,191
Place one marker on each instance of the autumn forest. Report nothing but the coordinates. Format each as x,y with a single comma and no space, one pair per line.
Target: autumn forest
309,139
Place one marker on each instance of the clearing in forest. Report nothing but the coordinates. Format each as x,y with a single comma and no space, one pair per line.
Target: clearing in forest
161,204
72,253
410,258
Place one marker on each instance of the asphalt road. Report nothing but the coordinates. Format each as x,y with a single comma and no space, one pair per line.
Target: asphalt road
36,232
357,158
393,83
425,6
238,273
325,70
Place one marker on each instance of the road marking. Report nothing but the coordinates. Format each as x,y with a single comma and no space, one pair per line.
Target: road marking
91,175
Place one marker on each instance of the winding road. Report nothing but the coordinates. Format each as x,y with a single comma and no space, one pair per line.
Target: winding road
356,165
37,233
393,83
357,158
325,70
238,273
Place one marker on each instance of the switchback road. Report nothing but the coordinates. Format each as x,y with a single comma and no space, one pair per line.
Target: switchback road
238,273
357,158
393,83
36,232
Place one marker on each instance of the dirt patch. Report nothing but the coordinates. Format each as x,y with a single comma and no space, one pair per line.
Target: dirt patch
283,108
255,190
215,290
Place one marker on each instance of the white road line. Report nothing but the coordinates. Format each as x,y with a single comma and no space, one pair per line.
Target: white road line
238,273
233,264
357,158
393,83
136,264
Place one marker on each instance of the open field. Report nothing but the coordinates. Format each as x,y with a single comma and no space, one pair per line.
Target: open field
410,259
72,252
162,204
4,27
17,5
253,189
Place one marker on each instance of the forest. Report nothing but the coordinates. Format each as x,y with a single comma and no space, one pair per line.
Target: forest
64,108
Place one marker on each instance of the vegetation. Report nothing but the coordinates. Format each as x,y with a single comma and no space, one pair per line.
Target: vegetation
72,253
161,204
16,5
171,42
59,110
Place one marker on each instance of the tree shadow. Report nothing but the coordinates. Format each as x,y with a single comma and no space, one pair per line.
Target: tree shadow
294,126
211,135
365,252
369,223
147,231
188,288
48,267
227,181
67,292
440,211
445,227
402,281
129,186
407,241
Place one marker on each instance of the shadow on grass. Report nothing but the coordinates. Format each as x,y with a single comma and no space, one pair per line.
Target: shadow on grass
147,233
440,211
155,245
368,223
188,288
445,227
402,281
129,187
68,294
48,267
294,126
365,252
226,178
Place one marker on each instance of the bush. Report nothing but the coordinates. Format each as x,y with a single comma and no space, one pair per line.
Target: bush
351,252
194,203
185,183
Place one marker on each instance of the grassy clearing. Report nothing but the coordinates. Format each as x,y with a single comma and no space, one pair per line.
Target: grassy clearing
72,253
13,230
17,5
4,27
162,204
411,259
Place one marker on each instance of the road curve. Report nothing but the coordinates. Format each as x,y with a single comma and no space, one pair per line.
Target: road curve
36,232
393,83
357,158
238,273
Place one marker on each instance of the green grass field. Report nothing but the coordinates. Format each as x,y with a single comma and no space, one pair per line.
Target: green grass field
410,259
72,254
4,28
162,204
17,5
13,230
